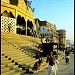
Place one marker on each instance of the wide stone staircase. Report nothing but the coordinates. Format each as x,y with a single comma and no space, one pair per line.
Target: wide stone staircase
15,58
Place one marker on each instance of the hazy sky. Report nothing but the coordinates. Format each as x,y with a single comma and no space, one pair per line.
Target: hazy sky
58,12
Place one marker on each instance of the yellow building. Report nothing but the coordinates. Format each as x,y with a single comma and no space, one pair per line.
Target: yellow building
16,17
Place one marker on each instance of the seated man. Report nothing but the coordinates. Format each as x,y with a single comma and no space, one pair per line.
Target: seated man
37,65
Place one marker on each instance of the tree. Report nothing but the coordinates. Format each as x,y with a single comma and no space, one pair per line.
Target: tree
32,9
28,3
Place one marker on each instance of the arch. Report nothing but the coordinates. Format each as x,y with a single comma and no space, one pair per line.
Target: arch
11,15
21,23
29,24
5,13
19,28
29,27
19,20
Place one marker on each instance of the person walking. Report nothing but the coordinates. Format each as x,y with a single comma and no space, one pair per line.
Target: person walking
9,27
55,65
50,62
67,56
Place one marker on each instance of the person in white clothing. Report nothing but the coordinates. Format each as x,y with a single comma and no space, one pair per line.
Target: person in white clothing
55,64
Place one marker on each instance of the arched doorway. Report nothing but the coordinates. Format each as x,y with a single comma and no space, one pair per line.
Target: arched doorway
11,15
21,25
29,28
18,30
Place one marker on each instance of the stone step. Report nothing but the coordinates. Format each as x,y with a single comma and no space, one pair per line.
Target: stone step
26,62
21,54
17,69
27,59
17,73
6,62
30,63
2,66
11,54
4,70
18,58
12,49
15,66
10,64
9,72
4,59
23,60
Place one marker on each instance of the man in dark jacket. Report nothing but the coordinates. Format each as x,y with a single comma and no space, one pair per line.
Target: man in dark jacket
51,63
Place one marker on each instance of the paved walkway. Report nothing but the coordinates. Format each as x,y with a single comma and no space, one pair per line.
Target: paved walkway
63,69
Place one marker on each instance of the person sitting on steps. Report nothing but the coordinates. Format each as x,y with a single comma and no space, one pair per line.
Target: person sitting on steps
37,65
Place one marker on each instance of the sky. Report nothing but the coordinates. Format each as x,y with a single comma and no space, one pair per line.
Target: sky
58,12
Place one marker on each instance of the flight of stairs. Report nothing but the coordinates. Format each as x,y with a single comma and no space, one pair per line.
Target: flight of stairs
14,60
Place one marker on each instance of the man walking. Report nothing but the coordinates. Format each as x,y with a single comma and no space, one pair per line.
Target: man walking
51,67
